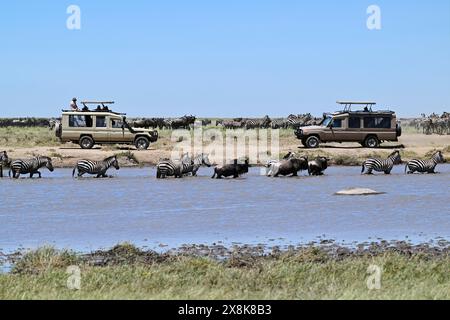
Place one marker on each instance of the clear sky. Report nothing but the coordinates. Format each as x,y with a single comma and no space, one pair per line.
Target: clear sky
224,58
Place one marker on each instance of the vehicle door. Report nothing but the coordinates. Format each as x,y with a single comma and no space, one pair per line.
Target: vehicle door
118,133
101,132
336,129
353,129
78,125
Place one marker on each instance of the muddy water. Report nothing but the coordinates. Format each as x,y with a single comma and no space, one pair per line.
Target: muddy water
133,206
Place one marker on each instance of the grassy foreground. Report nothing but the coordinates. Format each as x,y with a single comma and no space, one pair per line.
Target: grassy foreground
309,273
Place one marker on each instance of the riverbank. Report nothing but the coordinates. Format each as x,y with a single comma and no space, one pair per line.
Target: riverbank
28,142
325,271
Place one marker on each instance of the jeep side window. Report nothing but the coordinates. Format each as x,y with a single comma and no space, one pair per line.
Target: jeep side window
116,124
80,121
377,122
354,122
337,123
100,121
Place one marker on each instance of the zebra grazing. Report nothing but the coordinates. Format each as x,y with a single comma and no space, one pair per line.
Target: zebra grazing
382,165
96,167
174,168
30,166
425,166
4,160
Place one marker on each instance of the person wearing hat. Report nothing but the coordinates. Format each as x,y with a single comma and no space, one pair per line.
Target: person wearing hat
73,105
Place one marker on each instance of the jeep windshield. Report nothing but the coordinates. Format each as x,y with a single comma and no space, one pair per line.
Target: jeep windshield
326,122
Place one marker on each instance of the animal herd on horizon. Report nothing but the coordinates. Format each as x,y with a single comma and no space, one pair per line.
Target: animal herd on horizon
433,124
290,165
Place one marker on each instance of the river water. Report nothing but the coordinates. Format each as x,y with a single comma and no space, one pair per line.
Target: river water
88,214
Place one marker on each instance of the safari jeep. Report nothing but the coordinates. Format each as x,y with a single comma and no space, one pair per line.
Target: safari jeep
369,128
101,126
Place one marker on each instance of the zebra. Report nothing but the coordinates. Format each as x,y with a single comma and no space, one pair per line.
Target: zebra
173,168
382,165
196,163
263,123
30,166
95,167
279,124
4,160
425,166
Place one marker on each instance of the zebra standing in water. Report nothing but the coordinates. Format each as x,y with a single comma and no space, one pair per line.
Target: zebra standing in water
173,168
382,165
96,167
3,161
425,166
196,163
30,166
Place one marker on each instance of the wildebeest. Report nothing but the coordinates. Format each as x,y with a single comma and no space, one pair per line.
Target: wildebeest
289,166
235,169
183,122
4,160
233,124
318,166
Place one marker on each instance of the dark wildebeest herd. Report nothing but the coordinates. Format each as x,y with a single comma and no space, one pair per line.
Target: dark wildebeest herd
186,122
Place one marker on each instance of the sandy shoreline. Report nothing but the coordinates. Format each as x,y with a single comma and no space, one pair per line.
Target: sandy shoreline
66,156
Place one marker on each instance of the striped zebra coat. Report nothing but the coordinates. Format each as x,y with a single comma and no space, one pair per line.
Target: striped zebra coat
179,168
173,168
3,161
425,166
96,167
382,165
30,166
196,163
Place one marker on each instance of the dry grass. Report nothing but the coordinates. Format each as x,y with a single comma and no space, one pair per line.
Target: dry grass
309,274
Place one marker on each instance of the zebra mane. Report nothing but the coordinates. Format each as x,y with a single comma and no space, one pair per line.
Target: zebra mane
45,158
396,152
110,158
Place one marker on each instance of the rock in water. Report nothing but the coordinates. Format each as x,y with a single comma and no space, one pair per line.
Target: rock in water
358,192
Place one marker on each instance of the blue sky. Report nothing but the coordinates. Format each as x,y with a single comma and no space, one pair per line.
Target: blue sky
224,58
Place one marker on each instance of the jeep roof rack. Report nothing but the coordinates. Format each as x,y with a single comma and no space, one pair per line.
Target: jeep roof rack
348,105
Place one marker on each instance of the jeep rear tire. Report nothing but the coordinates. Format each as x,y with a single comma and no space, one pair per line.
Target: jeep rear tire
312,142
142,143
371,142
86,142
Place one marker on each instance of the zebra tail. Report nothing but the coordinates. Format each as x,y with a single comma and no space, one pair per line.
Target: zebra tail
406,168
363,168
73,172
9,173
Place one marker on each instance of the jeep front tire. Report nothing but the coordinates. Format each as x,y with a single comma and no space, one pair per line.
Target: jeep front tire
312,142
142,143
86,142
